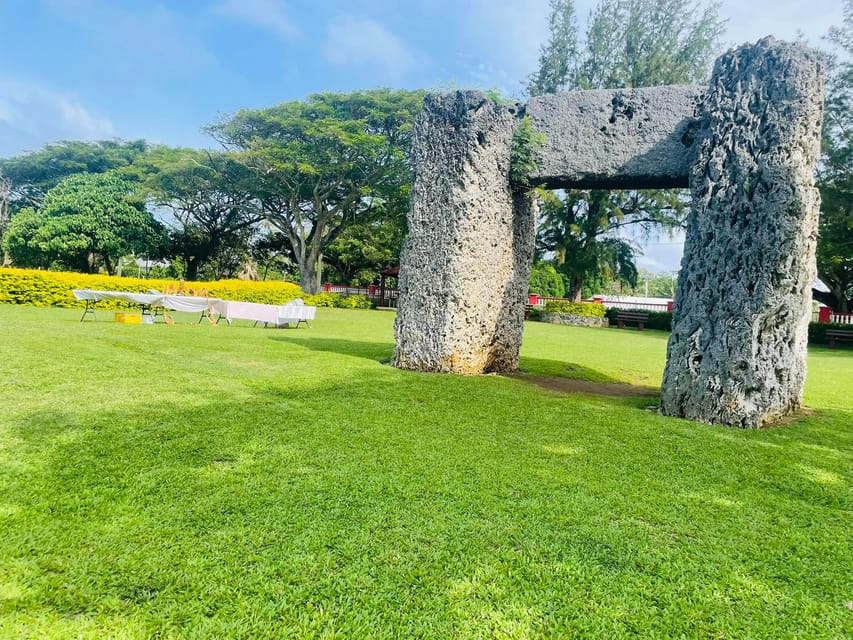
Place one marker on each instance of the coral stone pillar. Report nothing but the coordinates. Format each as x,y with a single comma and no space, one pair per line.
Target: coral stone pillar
737,352
465,266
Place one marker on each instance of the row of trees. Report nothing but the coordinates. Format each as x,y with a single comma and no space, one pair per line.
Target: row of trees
325,181
326,178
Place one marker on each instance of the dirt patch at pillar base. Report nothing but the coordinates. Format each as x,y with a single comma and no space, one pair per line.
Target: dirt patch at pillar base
577,385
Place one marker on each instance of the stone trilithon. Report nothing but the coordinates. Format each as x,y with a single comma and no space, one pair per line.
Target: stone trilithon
746,146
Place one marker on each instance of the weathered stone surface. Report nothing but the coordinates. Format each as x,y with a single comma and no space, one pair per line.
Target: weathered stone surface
465,267
637,138
737,352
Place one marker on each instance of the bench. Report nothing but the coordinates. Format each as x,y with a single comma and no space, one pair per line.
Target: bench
640,317
832,335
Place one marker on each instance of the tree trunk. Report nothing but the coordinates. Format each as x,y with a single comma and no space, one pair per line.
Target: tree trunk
834,299
310,274
191,272
576,289
91,264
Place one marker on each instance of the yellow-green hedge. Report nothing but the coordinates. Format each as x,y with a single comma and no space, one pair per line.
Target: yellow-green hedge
588,309
53,288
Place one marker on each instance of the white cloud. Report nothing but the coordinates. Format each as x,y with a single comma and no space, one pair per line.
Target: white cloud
361,42
661,255
31,114
269,15
75,117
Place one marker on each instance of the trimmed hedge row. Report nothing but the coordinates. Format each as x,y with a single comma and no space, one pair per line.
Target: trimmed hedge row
587,309
53,289
817,330
337,300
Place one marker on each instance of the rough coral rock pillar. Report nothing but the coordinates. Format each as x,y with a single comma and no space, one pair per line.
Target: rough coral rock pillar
737,352
465,267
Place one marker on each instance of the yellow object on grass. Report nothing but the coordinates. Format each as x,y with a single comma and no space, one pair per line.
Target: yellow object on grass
129,318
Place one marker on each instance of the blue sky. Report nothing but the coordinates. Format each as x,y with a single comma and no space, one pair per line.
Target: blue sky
93,69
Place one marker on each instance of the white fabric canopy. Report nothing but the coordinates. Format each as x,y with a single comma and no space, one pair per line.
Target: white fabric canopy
293,312
175,303
137,298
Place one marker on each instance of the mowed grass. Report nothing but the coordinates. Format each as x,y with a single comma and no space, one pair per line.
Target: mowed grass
228,482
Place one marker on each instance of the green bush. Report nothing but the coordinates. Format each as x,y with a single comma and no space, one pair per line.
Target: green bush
324,300
545,281
588,309
356,302
339,301
54,288
817,330
265,292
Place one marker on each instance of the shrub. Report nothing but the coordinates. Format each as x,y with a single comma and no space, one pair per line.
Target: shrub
526,141
266,292
545,281
54,288
324,300
817,330
588,309
356,302
339,301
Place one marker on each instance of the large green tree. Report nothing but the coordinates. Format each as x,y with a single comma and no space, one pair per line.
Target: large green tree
363,250
581,229
86,221
211,208
34,173
628,44
325,164
558,56
835,175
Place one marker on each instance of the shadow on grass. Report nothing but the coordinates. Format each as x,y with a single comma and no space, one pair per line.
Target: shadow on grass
568,377
553,375
274,511
381,351
562,369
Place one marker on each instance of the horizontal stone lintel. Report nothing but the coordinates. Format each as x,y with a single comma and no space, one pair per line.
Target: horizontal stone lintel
624,138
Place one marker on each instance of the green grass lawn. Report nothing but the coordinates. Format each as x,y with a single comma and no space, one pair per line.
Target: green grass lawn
218,482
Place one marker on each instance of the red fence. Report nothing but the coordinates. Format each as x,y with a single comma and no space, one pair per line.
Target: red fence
373,291
841,318
664,305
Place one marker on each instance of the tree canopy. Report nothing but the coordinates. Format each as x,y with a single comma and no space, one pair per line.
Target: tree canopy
211,209
835,175
86,221
318,166
33,174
